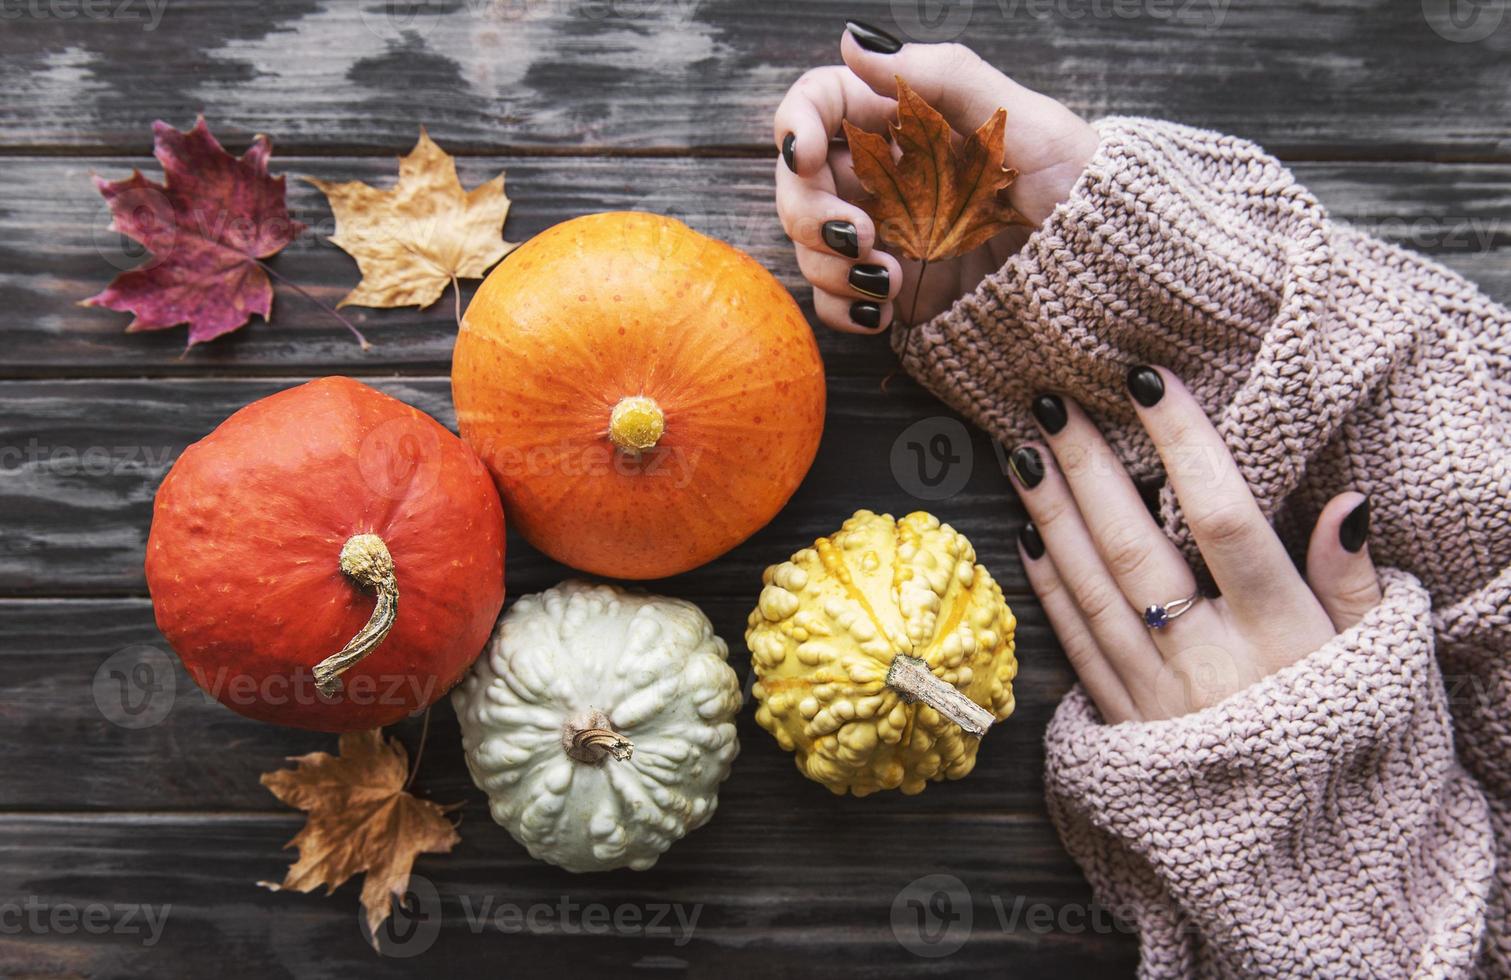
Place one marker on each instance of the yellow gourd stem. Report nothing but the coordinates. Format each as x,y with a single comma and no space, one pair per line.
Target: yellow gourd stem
366,561
636,424
912,678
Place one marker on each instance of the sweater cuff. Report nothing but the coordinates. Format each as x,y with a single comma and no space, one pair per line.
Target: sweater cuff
1362,687
1171,236
1317,807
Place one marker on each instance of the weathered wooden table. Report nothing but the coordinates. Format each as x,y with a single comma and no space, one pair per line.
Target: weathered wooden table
1396,112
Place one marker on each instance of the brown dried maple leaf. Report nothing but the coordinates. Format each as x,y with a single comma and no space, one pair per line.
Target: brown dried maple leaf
424,234
360,820
937,200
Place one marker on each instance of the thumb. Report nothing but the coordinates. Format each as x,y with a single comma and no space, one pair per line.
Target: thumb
1338,566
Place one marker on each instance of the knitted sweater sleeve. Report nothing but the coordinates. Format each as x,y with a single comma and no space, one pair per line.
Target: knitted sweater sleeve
1351,814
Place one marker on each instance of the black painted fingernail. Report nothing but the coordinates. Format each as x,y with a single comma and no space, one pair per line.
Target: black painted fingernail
866,314
1027,466
873,39
1033,545
1354,530
1146,386
789,151
1050,411
842,237
872,280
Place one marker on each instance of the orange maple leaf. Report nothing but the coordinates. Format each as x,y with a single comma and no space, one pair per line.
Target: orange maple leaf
360,820
937,200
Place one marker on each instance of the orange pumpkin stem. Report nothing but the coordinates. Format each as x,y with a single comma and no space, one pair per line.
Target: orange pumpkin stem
636,424
912,678
366,561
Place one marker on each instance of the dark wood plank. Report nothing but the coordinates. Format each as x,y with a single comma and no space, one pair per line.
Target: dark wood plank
779,894
56,249
155,741
84,458
1310,76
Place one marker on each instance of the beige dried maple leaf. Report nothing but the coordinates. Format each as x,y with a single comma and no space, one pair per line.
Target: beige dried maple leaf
936,200
412,241
360,820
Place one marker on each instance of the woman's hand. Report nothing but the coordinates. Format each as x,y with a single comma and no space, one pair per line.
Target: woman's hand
855,284
1097,559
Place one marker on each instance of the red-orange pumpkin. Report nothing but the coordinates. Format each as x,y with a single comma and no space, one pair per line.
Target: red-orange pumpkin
646,397
326,519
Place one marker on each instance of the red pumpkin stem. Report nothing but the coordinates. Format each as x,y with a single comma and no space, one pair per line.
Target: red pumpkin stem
366,561
912,678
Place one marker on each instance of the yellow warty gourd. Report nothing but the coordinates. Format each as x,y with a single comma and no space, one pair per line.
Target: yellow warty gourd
882,654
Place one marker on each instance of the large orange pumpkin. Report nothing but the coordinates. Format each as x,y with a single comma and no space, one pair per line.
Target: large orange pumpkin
328,558
646,397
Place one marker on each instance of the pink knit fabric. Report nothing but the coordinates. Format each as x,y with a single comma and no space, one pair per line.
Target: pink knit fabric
1350,815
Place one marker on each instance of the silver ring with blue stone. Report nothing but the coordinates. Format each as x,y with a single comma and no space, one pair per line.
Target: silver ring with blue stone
1158,615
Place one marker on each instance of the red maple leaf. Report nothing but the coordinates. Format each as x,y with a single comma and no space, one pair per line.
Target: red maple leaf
207,226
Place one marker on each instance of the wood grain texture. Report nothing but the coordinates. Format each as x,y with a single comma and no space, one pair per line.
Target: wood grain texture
68,662
589,105
80,461
56,249
776,894
1311,77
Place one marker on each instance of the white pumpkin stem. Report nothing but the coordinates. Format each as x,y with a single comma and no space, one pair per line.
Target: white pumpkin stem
592,739
912,678
636,424
366,561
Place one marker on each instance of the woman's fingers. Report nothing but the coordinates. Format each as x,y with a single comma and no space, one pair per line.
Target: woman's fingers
877,276
1338,566
814,216
1146,566
1046,143
950,77
848,314
811,112
1246,559
1091,665
842,169
1114,624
